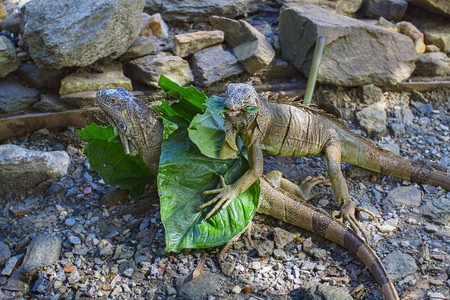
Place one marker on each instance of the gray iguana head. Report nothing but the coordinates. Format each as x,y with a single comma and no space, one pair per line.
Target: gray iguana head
130,116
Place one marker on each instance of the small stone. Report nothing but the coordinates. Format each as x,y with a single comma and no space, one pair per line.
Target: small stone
431,228
373,119
69,222
154,25
405,195
5,253
236,290
171,290
387,228
282,237
399,265
12,264
279,254
189,43
307,265
74,240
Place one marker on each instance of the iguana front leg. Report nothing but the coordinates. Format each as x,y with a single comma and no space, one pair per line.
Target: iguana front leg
227,193
346,206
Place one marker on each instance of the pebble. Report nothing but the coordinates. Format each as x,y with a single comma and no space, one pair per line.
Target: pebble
74,240
69,222
236,290
279,254
387,228
431,228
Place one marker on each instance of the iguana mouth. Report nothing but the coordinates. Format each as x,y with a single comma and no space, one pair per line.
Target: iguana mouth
233,112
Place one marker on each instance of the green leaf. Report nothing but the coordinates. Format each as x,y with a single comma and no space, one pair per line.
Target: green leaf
169,127
184,173
190,100
116,168
250,109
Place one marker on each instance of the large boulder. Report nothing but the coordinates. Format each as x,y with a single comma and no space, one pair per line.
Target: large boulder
22,169
389,9
200,10
355,53
8,58
59,33
441,7
15,97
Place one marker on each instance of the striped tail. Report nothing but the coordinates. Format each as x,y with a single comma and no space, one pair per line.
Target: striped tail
285,207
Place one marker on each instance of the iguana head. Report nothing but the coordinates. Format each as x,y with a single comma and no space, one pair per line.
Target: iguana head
242,105
125,112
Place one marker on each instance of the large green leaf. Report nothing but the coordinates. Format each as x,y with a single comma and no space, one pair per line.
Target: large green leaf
190,100
116,168
184,173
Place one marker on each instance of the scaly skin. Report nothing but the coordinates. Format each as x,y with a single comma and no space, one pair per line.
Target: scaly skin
277,194
286,130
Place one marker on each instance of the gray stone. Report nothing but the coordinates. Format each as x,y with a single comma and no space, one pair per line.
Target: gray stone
74,240
282,237
50,103
208,283
142,46
41,78
8,57
397,129
213,64
22,169
265,248
439,38
5,254
11,23
12,264
348,6
404,195
147,69
373,119
315,291
392,147
435,6
279,69
59,34
432,64
189,43
355,53
404,115
200,10
389,9
81,99
371,94
110,77
42,252
423,108
399,265
15,97
249,45
279,254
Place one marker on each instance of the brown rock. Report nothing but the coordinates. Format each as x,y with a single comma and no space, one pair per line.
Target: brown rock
188,43
410,30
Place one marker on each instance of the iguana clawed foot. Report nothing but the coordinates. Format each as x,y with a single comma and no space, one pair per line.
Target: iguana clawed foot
226,194
347,213
306,187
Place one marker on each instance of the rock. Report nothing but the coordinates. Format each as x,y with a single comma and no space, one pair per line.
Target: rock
249,45
440,39
41,78
11,23
432,64
213,64
423,108
314,290
279,69
392,147
386,228
373,119
142,46
59,35
12,263
200,10
3,13
431,228
114,197
8,57
265,248
386,24
410,30
15,97
5,254
80,100
279,254
236,289
147,69
404,195
389,9
397,129
348,6
282,237
371,94
110,77
22,169
50,103
208,283
189,43
384,57
42,252
432,48
399,265
435,6
154,25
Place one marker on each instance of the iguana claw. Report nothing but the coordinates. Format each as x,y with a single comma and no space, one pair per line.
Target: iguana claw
347,213
226,194
305,188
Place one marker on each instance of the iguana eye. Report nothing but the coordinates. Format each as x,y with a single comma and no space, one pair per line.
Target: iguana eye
113,101
123,127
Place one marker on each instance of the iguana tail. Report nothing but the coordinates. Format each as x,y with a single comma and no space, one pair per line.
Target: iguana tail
365,154
285,207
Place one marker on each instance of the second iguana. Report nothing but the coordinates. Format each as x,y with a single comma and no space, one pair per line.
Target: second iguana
286,130
279,197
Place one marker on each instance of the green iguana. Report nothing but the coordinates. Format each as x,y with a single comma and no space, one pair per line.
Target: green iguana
286,130
279,197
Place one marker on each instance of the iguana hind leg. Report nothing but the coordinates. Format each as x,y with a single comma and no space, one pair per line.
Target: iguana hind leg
347,207
304,191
